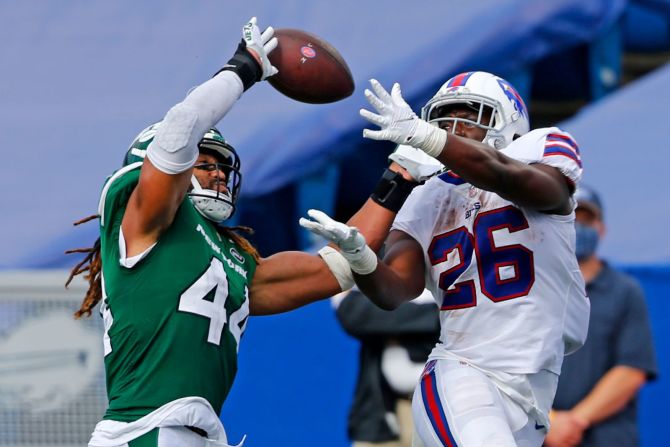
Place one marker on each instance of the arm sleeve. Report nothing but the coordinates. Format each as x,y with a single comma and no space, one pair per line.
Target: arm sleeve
360,318
175,147
634,343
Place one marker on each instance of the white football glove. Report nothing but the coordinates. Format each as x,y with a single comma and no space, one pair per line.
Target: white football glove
354,248
346,237
419,164
399,123
261,44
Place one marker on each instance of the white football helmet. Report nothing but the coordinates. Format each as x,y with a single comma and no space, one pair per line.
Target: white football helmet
214,205
480,90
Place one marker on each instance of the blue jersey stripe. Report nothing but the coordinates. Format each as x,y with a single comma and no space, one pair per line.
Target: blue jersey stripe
563,139
450,177
557,150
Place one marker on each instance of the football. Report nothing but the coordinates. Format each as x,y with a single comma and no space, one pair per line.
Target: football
310,69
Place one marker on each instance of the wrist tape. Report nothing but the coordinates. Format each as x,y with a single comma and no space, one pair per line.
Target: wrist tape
244,65
392,190
363,261
339,267
430,139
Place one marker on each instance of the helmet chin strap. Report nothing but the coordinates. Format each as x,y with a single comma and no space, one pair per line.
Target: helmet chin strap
213,205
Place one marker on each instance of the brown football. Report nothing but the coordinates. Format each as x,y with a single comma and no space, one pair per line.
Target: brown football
310,69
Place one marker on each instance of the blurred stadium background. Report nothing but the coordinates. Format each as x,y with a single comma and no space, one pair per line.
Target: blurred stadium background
81,78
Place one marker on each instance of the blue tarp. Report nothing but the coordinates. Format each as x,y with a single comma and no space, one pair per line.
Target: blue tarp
80,79
653,398
626,157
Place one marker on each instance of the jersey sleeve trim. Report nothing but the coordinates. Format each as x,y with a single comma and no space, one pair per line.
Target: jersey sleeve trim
558,144
105,189
133,260
451,178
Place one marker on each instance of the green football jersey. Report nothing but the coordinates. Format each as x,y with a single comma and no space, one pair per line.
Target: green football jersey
173,321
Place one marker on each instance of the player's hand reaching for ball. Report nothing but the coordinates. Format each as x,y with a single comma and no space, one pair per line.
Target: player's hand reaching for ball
352,244
250,61
398,122
346,237
260,45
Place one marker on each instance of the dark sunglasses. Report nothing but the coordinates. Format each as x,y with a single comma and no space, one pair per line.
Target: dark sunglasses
209,167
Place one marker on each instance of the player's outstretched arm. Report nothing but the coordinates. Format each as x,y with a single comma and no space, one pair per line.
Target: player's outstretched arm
407,169
535,186
166,172
288,280
398,279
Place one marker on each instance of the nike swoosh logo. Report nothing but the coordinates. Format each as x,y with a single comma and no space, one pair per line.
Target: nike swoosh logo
538,426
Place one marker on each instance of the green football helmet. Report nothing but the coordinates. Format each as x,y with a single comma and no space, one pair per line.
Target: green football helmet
214,205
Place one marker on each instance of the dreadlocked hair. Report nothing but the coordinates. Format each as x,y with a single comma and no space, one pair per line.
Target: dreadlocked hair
92,265
232,233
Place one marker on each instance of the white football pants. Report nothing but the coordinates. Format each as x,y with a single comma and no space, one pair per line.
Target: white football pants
456,405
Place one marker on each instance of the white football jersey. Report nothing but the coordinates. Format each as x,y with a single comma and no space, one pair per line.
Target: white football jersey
506,278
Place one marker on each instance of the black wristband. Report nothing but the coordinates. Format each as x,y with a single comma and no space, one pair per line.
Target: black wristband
245,65
392,190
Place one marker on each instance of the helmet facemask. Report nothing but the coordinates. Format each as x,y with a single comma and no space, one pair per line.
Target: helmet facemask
215,204
436,111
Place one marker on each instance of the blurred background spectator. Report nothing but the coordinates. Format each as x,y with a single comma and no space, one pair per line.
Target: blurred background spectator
596,400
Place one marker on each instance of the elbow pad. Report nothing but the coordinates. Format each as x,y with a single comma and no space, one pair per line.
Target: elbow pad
175,147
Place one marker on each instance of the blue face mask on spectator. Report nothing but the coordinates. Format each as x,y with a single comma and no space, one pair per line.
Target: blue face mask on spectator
587,241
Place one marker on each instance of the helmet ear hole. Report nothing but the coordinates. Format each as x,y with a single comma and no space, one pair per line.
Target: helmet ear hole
499,143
